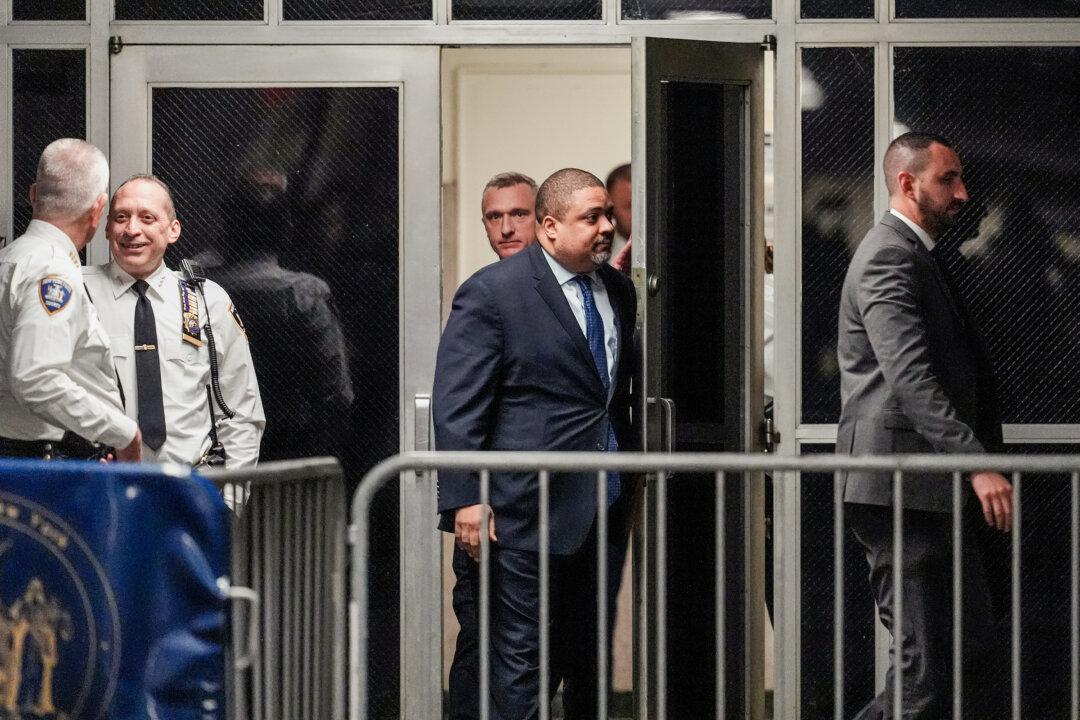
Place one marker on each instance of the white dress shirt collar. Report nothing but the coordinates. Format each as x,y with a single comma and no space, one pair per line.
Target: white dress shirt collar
562,275
922,234
53,234
122,281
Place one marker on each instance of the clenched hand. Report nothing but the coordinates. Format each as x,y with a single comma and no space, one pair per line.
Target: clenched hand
467,529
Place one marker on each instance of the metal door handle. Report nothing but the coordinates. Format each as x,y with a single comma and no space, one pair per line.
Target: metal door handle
422,422
667,421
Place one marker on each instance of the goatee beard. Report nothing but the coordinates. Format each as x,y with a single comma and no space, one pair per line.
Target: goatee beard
600,257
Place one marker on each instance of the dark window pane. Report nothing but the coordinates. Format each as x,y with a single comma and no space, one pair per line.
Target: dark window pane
987,8
837,206
48,102
526,9
189,10
358,10
48,10
815,9
696,9
289,197
1044,585
1015,253
818,593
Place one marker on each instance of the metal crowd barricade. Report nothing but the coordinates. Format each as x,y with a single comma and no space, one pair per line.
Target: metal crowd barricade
662,468
288,545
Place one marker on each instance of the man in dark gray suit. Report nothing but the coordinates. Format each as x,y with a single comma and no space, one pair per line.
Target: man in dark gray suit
915,379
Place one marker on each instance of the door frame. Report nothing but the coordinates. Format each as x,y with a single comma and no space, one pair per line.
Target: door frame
652,61
136,70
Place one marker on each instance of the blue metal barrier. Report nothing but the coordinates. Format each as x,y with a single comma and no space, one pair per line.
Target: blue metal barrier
113,584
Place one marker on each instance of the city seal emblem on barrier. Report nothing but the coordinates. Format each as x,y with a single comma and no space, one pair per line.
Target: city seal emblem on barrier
59,624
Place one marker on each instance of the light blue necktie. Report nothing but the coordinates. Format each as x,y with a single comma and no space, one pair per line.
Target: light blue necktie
594,334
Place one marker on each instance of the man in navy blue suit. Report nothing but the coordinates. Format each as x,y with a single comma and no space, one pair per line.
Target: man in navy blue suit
537,355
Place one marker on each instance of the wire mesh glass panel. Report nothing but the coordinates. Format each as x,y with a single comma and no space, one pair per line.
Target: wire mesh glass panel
29,10
289,199
358,10
818,587
987,8
1015,252
696,10
189,10
527,9
48,102
839,9
837,93
1044,586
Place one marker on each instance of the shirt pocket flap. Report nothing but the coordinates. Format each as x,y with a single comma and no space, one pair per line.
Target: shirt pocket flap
180,351
121,346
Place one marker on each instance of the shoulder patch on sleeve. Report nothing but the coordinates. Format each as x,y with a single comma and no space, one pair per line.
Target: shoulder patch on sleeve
236,316
54,293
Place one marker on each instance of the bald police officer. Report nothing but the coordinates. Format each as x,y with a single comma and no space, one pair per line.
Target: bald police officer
56,371
157,327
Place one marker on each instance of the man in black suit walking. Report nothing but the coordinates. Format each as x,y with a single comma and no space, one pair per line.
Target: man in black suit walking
915,378
537,355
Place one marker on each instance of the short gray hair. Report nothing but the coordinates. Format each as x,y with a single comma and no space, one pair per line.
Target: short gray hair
71,175
510,179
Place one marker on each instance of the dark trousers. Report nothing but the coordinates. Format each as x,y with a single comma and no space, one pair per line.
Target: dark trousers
515,630
926,643
464,683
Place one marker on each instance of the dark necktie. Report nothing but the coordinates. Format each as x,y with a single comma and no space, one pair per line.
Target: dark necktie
148,371
594,334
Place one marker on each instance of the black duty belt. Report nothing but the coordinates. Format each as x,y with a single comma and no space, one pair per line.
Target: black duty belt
70,447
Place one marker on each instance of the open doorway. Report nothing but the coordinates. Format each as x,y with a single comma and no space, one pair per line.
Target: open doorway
531,110
534,110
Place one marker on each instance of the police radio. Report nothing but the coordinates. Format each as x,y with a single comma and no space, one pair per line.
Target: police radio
192,274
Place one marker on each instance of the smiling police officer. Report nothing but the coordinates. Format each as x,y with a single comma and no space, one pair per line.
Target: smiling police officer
58,389
168,333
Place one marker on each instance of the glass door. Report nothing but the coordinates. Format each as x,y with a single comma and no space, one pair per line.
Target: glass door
698,149
306,180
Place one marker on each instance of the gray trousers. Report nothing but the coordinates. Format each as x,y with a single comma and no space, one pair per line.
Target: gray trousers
926,646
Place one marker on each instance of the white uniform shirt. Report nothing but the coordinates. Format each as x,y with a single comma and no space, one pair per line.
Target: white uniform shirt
185,368
577,304
56,372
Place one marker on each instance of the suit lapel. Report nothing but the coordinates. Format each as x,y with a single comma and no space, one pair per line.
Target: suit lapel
553,295
946,289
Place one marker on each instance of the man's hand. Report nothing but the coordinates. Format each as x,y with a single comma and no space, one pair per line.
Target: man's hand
133,452
995,495
467,529
621,262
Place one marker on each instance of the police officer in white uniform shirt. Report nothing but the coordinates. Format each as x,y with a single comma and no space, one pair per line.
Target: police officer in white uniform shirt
56,372
156,325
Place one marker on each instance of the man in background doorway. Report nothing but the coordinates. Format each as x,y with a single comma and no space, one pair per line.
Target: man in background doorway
620,190
508,208
509,214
